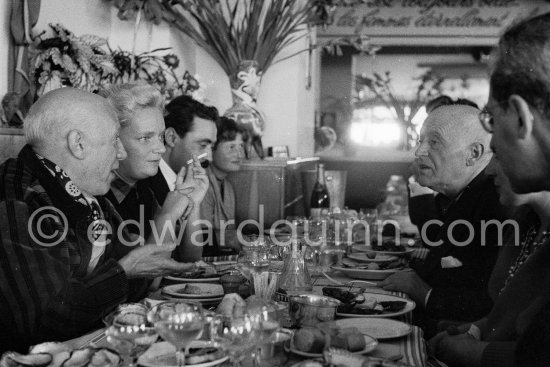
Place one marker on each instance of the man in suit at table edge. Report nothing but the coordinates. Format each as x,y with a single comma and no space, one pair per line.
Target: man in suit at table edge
59,272
518,115
451,284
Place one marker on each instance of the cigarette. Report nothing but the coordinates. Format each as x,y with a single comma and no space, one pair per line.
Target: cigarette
199,157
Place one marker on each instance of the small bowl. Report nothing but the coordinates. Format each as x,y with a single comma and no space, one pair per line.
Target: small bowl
310,309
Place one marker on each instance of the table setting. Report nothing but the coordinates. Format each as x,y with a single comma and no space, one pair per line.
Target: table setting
304,304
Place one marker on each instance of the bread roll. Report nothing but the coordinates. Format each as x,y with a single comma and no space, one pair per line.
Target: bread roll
356,341
349,339
309,339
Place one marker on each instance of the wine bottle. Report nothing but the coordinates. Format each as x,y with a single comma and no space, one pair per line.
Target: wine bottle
320,200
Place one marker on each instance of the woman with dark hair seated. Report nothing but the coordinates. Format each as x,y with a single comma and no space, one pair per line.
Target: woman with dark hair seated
218,206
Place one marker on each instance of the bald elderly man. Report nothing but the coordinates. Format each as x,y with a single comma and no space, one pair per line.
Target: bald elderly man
451,158
60,273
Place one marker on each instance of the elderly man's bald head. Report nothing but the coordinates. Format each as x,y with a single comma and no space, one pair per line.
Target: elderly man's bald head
459,122
78,131
57,112
453,150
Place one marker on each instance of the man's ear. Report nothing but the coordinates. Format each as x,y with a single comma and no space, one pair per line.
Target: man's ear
525,118
477,150
171,137
75,142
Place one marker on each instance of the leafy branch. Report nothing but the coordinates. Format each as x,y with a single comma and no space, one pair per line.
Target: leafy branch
380,87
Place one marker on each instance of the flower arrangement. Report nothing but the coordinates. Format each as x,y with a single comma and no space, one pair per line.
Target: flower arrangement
156,69
67,60
87,62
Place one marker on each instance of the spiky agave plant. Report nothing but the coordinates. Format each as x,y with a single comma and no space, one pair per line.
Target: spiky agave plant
234,30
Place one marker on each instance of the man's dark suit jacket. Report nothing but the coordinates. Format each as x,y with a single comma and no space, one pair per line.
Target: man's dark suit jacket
461,293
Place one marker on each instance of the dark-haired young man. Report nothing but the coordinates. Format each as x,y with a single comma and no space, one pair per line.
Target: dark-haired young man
190,130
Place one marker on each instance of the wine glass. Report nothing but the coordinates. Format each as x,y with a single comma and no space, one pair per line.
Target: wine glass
311,258
263,314
236,335
129,332
254,258
179,323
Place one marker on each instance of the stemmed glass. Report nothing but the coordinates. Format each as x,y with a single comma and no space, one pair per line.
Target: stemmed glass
179,323
254,257
263,315
129,332
236,335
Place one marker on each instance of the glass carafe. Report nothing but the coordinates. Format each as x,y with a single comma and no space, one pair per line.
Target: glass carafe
295,277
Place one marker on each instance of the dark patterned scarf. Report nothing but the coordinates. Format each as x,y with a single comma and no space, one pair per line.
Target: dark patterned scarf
74,192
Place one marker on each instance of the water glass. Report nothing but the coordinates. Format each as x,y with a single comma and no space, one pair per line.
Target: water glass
311,258
129,332
179,323
254,259
330,256
263,313
236,336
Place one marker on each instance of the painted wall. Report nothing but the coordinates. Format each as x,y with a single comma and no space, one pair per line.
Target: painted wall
4,45
288,105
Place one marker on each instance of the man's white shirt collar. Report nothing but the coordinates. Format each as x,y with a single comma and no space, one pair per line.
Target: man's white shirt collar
169,175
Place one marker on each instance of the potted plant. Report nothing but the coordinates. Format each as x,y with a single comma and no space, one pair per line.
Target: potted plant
157,69
68,60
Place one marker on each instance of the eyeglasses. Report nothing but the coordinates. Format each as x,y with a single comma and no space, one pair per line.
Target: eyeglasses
487,120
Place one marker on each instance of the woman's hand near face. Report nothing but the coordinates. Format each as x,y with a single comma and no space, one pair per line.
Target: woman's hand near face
194,182
191,183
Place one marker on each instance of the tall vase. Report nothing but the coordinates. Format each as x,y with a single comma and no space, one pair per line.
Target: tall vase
245,85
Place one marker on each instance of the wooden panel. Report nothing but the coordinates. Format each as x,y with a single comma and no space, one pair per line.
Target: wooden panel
273,186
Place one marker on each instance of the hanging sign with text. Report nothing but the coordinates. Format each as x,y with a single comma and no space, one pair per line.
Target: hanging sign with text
429,18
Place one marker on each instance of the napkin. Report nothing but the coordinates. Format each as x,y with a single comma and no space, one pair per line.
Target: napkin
416,189
450,262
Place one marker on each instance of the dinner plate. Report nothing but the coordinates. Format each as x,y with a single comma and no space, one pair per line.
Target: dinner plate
175,278
370,345
366,274
163,354
409,306
379,258
204,301
369,249
207,290
381,329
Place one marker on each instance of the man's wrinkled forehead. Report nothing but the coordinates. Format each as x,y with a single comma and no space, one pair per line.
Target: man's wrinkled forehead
452,120
436,125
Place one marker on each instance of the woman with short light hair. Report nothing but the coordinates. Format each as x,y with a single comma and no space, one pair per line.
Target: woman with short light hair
140,113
